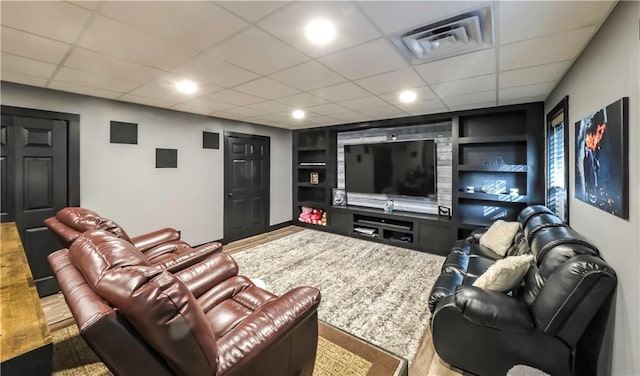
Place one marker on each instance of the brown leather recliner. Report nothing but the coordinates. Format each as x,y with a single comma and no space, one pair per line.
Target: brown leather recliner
162,247
203,320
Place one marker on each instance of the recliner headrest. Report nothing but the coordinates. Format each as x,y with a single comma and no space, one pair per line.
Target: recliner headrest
531,211
82,220
551,239
540,221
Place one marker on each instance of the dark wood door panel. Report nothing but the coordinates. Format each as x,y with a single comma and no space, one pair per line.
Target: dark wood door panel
39,243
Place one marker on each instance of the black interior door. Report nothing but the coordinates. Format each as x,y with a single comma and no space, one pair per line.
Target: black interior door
246,185
34,168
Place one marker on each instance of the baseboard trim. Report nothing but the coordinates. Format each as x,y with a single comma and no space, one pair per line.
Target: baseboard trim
277,226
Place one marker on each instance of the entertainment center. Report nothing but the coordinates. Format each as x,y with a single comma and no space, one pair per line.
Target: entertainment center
487,165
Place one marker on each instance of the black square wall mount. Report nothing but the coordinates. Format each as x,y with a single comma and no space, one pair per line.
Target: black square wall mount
166,158
124,133
210,140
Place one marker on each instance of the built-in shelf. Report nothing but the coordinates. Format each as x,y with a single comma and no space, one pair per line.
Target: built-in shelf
318,167
496,168
493,197
311,148
492,139
311,185
313,204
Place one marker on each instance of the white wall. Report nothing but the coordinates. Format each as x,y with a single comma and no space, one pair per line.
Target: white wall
121,182
606,71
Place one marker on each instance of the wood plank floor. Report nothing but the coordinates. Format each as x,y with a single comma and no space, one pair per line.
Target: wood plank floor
426,361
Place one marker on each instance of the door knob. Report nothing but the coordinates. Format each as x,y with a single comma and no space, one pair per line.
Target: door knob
230,195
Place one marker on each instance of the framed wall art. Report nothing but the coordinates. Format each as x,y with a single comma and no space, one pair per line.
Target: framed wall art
602,159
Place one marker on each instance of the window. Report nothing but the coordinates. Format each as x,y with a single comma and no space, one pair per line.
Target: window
557,162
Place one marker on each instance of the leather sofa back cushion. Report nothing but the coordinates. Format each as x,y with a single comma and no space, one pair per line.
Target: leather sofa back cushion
97,251
499,236
505,274
82,220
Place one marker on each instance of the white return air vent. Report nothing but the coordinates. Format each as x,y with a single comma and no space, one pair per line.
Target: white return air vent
467,32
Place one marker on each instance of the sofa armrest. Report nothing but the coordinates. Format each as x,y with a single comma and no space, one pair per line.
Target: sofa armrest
180,256
444,286
153,239
204,275
267,325
493,309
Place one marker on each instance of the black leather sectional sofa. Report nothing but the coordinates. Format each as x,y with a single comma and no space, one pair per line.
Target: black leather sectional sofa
554,321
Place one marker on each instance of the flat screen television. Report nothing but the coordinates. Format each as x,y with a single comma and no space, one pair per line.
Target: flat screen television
405,168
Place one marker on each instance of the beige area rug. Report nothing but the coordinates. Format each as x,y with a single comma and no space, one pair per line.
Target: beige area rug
373,291
339,354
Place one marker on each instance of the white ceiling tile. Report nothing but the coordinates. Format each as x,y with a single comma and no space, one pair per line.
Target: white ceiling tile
422,94
164,88
470,99
540,90
308,76
146,101
30,67
94,80
465,86
392,16
351,117
548,17
110,66
86,4
257,51
288,24
52,19
534,75
79,89
364,103
272,107
272,119
505,102
244,112
384,111
427,110
457,67
252,10
399,80
549,49
22,78
210,69
365,60
123,41
422,106
203,103
328,109
302,100
227,115
32,46
197,24
235,97
340,92
192,109
472,106
266,88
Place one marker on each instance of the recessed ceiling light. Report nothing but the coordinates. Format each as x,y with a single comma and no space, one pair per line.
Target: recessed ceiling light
320,31
298,114
408,96
187,87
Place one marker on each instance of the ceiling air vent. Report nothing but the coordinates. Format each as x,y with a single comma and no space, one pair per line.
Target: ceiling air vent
467,32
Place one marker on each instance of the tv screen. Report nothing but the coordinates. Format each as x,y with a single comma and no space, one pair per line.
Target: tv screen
405,168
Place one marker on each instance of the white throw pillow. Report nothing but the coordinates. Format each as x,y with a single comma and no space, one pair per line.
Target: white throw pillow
499,236
505,274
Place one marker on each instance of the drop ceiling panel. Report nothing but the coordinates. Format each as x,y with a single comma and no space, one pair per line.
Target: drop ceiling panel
534,75
235,97
30,67
192,109
308,76
252,10
547,17
288,24
465,86
549,49
207,105
123,41
383,111
393,16
365,60
257,51
364,103
164,88
469,99
469,65
22,78
32,46
432,106
401,79
52,19
302,100
207,68
422,94
87,60
266,88
340,92
145,101
79,89
539,91
197,24
328,109
243,112
273,107
86,4
94,80
351,117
